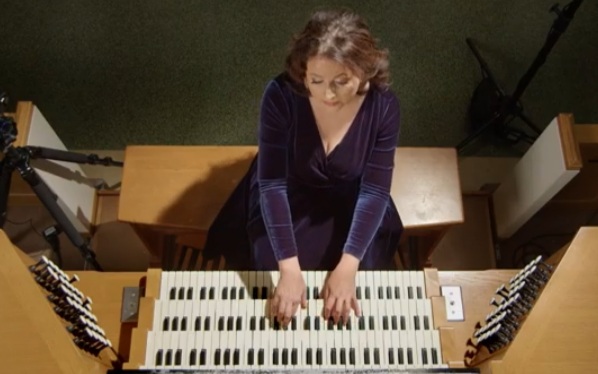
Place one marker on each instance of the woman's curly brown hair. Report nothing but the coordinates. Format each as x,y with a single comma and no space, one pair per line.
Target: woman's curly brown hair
344,37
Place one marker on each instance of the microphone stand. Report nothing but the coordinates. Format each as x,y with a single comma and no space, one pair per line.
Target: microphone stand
492,107
17,158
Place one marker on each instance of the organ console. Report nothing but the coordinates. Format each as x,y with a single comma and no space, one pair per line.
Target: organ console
214,321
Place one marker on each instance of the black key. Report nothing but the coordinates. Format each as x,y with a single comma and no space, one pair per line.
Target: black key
168,360
230,323
184,324
380,292
275,356
260,356
308,356
172,295
221,324
255,293
224,293
333,356
409,356
403,327
388,292
367,293
434,356
319,356
426,323
419,292
358,291
351,356
285,356
217,357
175,324
306,323
362,323
424,356
394,322
241,293
262,323
226,357
159,357
348,325
166,324
294,356
294,323
416,322
233,293
206,324
372,323
275,324
264,293
376,356
307,294
330,324
400,356
366,356
202,357
385,322
252,323
391,356
193,357
339,325
343,356
410,292
178,357
239,324
236,357
181,293
250,357
211,293
190,293
317,323
202,293
397,292
316,293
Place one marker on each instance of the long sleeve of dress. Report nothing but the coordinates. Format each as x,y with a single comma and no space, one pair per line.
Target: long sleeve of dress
272,160
375,183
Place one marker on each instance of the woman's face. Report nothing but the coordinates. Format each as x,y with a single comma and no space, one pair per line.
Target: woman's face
331,83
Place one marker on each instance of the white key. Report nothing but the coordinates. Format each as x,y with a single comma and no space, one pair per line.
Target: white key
150,351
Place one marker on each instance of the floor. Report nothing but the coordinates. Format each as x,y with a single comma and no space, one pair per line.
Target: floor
469,246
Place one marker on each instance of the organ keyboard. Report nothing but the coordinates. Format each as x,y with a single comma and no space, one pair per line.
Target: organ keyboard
218,320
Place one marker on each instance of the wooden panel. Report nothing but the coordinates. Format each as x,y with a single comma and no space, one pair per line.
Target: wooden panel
426,188
34,339
184,187
537,177
582,191
560,334
569,144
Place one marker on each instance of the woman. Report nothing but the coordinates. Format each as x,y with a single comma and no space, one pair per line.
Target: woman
317,195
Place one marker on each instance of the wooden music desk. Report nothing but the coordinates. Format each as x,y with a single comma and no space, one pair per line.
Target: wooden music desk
179,190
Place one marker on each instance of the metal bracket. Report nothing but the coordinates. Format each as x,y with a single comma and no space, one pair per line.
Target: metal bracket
130,304
453,302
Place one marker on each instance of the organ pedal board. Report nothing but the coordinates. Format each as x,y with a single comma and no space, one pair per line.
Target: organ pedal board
217,321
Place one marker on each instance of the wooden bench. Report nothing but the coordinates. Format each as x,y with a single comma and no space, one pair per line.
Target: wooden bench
171,194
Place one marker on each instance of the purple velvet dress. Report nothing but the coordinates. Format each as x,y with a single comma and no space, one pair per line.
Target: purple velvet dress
297,201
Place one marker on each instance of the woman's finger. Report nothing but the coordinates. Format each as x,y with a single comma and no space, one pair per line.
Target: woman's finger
356,307
329,306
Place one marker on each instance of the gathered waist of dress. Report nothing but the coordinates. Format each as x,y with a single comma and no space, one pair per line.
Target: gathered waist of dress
332,187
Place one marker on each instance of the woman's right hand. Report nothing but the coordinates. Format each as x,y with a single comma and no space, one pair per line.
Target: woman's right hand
289,292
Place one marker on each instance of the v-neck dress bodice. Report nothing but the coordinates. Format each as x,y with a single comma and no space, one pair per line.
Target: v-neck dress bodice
297,201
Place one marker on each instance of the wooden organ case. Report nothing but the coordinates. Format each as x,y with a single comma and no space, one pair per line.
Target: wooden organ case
558,335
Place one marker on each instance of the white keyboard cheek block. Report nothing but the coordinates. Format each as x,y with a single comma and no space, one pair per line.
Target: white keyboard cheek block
217,321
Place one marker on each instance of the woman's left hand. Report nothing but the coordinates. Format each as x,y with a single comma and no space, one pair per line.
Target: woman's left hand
339,290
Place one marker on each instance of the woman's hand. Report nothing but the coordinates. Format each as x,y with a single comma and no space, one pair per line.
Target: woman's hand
289,292
339,290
